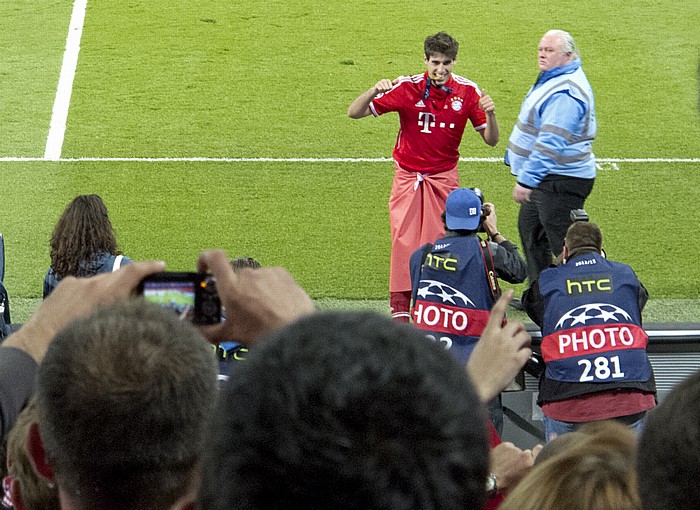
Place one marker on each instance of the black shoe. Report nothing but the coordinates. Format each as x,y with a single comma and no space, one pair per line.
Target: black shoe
517,304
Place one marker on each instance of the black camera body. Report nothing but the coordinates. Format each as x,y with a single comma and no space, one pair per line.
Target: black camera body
192,296
578,215
485,209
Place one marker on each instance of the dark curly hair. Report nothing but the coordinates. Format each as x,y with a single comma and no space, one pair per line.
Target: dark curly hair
82,231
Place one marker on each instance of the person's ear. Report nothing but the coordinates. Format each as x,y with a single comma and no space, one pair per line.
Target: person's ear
564,254
37,454
16,491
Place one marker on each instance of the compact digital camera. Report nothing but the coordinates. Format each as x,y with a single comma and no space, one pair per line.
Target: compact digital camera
192,296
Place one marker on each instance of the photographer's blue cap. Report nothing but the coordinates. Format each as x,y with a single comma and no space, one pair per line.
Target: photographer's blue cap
463,210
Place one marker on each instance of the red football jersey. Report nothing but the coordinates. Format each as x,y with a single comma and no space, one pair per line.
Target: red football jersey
431,130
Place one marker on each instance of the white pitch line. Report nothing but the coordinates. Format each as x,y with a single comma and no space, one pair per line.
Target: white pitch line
14,159
54,143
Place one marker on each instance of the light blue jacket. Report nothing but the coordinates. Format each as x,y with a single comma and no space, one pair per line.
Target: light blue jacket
555,128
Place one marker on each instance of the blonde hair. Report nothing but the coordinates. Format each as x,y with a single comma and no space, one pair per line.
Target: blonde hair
595,473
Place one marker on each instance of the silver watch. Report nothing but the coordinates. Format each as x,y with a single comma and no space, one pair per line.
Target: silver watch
491,486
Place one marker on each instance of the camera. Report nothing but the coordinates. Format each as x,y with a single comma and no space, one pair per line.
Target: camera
578,215
485,209
192,296
535,366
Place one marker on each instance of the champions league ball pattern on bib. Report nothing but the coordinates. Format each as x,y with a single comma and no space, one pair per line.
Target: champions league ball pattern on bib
602,311
446,293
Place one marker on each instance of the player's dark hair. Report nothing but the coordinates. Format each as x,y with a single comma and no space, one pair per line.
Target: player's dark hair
347,410
441,43
124,401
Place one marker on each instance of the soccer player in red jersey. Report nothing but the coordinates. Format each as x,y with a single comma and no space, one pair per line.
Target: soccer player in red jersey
433,109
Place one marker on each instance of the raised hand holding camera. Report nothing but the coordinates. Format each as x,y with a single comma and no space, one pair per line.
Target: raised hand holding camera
256,301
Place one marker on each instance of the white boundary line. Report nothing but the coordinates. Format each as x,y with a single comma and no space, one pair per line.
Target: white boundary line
54,143
12,159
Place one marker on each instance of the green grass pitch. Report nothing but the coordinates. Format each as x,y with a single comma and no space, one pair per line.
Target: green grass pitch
273,79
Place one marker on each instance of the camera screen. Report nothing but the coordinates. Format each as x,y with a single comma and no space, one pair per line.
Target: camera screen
178,296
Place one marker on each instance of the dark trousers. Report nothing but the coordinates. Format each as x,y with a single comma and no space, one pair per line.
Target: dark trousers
543,220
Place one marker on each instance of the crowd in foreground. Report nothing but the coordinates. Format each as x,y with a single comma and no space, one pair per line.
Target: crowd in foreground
341,409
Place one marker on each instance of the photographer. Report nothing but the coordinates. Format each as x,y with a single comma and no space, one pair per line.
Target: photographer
594,348
454,280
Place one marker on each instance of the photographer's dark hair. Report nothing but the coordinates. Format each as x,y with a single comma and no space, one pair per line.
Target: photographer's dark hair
347,410
583,237
82,231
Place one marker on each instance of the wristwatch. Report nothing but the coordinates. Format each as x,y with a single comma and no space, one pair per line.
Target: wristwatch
491,486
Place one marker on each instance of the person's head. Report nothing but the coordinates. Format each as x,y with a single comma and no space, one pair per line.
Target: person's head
28,490
463,211
124,400
669,450
595,472
556,48
347,410
440,55
244,262
582,237
557,445
82,230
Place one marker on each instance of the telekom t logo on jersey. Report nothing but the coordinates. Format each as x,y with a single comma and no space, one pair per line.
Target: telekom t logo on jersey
426,120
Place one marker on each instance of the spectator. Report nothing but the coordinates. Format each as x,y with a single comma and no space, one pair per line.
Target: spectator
124,398
83,243
595,473
433,109
669,450
24,489
347,410
549,150
594,348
